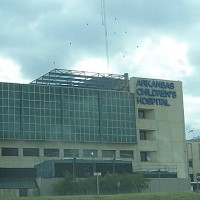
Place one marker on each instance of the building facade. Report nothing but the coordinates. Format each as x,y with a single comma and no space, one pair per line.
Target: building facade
193,150
84,123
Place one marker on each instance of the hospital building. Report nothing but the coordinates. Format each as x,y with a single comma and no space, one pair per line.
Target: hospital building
83,122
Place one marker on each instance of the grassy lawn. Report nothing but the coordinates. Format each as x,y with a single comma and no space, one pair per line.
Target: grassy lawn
133,196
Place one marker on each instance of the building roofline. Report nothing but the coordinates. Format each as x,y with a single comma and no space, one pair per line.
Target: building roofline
74,78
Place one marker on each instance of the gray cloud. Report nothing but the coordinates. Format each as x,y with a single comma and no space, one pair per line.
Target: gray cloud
35,34
52,30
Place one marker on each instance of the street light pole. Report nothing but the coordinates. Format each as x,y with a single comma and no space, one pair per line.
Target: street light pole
93,164
74,160
113,165
97,185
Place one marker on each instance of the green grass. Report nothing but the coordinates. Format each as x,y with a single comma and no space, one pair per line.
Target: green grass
133,196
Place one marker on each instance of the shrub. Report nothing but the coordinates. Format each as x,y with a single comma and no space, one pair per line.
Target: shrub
109,184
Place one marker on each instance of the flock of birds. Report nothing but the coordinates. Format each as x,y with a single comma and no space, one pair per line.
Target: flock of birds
106,41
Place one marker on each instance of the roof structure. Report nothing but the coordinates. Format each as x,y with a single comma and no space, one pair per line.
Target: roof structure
73,78
18,183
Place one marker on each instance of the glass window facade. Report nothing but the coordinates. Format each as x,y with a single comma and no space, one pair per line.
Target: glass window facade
41,112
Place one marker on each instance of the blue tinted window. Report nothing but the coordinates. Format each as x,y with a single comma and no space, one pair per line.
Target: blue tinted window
60,113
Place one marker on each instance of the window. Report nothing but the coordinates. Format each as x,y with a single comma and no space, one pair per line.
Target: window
143,135
31,152
192,177
143,156
74,153
9,151
190,163
108,153
51,152
126,154
90,153
150,156
141,114
146,113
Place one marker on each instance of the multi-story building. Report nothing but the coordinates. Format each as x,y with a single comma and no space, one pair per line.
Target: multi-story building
89,122
193,150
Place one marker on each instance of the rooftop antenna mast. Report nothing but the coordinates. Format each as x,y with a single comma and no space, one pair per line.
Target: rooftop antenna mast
103,15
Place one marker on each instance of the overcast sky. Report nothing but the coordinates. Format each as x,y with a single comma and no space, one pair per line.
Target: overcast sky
145,38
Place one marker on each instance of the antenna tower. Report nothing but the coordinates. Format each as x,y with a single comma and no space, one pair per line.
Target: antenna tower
103,15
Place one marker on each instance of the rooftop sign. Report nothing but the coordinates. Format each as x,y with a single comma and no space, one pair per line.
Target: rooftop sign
155,92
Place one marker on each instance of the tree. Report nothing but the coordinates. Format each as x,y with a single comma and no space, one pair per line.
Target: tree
108,183
70,185
65,186
141,182
134,182
89,185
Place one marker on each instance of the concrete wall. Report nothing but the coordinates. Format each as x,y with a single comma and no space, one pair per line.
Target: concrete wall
29,162
155,185
169,185
166,123
47,185
7,193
